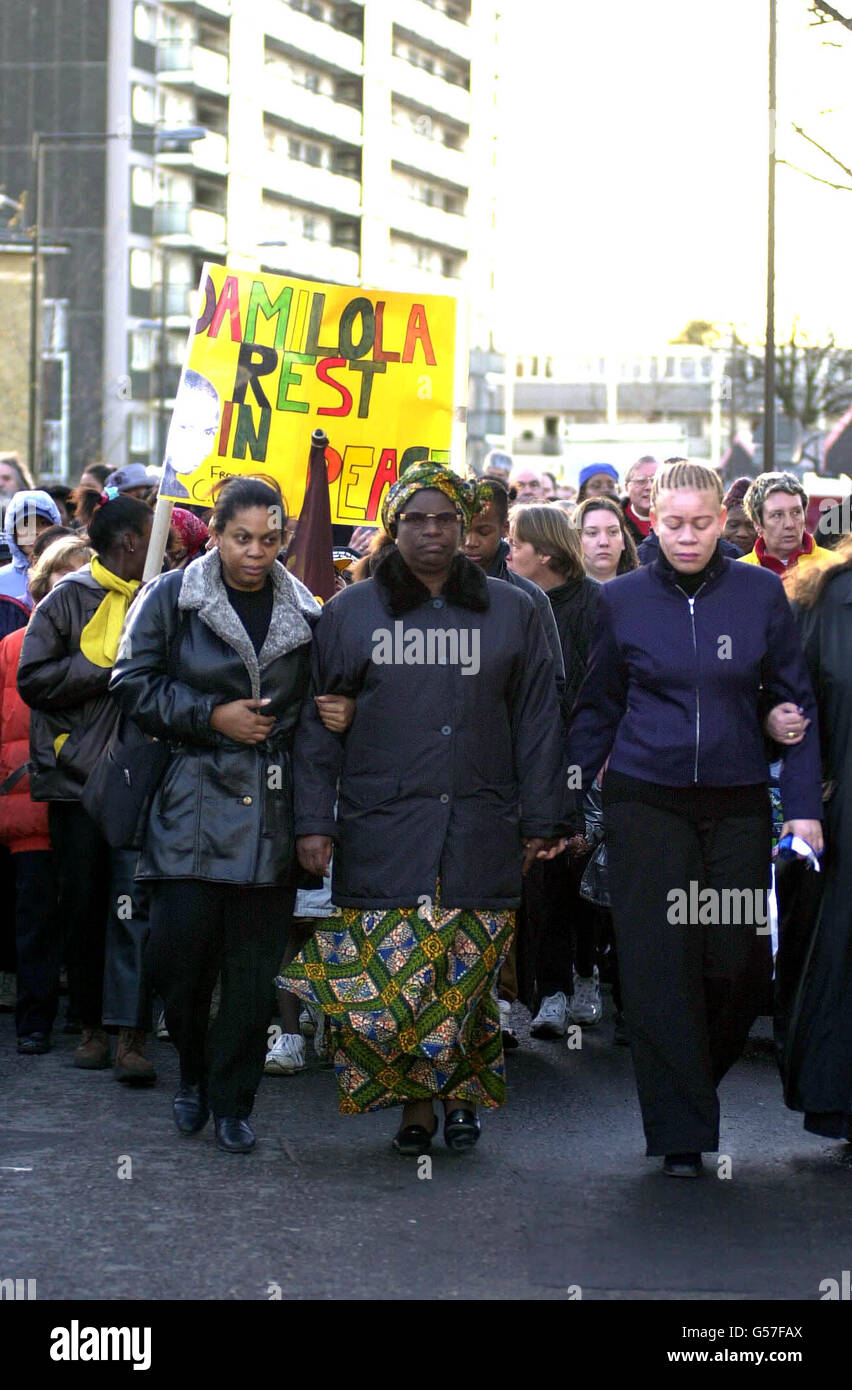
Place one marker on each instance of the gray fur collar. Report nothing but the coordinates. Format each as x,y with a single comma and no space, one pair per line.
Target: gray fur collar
294,610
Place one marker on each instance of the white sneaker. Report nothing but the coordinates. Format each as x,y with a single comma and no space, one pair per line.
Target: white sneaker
510,1037
551,1021
308,1020
319,1032
287,1056
161,1030
586,1007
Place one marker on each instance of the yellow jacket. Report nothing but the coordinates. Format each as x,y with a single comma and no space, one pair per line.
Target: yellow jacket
816,556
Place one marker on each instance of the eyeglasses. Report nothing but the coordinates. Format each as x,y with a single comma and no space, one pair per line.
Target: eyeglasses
417,520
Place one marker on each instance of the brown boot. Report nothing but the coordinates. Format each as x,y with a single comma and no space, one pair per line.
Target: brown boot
92,1052
131,1064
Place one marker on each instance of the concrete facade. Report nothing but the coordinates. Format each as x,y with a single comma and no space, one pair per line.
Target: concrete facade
15,263
347,142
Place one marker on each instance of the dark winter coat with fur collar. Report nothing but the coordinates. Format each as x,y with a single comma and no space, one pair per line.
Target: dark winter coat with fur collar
456,747
223,811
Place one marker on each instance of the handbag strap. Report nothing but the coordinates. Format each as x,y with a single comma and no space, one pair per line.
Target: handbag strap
14,778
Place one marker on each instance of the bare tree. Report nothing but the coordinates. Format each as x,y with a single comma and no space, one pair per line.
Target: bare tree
812,380
827,13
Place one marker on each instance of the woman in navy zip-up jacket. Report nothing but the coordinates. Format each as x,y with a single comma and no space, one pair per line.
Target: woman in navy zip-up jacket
688,654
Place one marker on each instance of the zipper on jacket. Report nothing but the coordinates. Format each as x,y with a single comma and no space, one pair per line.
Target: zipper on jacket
691,601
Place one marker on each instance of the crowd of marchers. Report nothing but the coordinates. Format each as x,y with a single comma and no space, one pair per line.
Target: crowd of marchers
474,780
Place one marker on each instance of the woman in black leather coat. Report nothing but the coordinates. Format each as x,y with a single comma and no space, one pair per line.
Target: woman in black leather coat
215,659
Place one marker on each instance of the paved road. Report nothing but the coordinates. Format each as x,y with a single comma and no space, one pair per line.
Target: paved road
557,1195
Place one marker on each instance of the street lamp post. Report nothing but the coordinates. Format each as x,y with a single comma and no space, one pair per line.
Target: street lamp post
769,356
45,141
82,140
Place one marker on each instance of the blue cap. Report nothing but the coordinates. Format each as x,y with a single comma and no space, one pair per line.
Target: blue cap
592,468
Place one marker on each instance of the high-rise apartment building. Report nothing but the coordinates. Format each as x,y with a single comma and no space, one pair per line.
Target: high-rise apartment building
327,139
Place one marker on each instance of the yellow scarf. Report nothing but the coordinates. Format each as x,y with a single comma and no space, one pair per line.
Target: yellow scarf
100,637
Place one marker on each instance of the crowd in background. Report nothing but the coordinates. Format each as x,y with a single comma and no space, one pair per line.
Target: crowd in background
266,704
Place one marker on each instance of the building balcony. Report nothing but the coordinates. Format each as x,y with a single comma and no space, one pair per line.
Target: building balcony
177,303
426,223
140,384
311,37
551,397
429,91
311,111
165,386
429,156
649,397
140,303
316,260
222,8
178,224
182,63
293,178
434,26
486,360
486,424
211,153
401,275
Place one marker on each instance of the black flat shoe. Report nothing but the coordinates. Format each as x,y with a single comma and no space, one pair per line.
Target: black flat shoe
190,1109
683,1165
233,1135
34,1044
414,1140
461,1130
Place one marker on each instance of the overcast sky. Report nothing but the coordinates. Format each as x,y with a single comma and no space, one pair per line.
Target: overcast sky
633,160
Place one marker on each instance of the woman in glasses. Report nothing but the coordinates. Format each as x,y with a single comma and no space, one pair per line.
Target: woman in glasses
686,655
456,728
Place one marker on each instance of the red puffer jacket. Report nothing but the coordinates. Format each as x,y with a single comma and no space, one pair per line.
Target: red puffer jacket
23,823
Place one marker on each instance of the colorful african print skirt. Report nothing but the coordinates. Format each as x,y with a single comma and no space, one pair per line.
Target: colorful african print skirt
410,999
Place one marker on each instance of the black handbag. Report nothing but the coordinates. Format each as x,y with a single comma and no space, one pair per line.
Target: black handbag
121,786
594,885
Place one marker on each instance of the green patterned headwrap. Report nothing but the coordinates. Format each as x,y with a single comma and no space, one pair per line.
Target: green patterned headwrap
425,475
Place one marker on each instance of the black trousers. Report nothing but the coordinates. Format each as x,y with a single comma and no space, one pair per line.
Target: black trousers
7,911
691,991
39,942
127,996
201,930
82,858
558,930
105,917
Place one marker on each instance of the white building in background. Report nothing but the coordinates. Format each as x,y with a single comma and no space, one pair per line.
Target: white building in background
612,406
349,142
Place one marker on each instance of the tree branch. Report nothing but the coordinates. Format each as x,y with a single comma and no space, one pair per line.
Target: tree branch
845,187
831,13
822,149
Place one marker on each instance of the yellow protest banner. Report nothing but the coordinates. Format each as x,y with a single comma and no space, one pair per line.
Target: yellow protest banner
270,359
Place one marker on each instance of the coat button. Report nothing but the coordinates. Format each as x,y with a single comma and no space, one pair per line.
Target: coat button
444,798
246,800
446,729
437,603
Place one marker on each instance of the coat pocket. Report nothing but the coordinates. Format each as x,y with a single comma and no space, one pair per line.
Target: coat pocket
366,793
277,803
